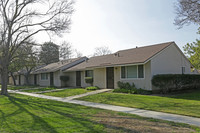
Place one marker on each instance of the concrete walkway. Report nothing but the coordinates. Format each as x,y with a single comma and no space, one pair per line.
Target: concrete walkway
140,112
88,93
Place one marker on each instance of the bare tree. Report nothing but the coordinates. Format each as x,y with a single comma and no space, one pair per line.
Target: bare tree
77,53
188,11
66,51
22,19
104,50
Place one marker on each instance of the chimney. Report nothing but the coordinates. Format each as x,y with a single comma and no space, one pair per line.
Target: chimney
116,54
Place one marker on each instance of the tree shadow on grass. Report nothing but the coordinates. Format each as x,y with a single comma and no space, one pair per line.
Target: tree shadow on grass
41,121
36,119
70,112
186,95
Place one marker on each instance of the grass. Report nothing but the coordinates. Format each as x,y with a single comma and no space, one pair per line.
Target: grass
19,113
183,104
40,89
67,92
11,87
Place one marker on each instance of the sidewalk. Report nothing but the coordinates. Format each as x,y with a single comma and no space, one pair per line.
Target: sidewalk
140,112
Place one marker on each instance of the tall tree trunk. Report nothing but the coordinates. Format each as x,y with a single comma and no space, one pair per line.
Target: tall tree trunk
4,78
13,77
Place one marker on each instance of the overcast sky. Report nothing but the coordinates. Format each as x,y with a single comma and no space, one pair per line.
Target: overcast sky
124,24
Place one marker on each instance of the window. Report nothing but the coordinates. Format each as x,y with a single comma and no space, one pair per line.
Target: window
183,70
123,72
44,76
89,73
140,71
136,71
131,71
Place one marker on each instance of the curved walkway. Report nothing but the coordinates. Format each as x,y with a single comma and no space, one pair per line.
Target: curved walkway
140,112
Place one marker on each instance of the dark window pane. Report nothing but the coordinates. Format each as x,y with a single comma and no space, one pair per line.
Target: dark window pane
89,73
123,72
140,71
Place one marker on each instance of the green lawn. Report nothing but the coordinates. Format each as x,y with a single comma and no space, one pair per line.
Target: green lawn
11,87
184,104
40,89
23,114
67,92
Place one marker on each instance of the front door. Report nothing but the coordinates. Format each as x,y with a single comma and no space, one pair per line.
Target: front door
51,79
35,79
78,78
110,77
19,79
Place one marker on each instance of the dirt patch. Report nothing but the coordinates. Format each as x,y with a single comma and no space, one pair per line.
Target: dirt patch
126,124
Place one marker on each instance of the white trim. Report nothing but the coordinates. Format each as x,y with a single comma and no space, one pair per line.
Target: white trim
137,73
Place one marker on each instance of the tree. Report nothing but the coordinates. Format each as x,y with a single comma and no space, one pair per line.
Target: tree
188,11
77,53
22,19
49,53
102,51
25,61
66,51
193,52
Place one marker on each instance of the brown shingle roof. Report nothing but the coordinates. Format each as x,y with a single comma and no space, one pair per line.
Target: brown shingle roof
129,56
55,66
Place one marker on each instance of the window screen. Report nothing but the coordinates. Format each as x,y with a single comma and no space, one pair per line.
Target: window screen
140,71
131,71
123,72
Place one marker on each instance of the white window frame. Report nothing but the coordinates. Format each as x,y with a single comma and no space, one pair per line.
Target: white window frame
137,73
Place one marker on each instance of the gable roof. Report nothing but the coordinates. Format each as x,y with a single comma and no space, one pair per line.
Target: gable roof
122,57
61,65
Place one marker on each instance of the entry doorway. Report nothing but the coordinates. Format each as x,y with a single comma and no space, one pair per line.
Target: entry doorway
51,79
35,79
78,78
110,77
19,80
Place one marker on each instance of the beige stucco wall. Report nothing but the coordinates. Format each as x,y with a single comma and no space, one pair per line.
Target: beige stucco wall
144,83
43,82
22,80
100,77
57,81
170,61
72,78
10,81
83,84
31,79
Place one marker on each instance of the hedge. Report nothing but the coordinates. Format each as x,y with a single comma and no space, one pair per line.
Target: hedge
173,82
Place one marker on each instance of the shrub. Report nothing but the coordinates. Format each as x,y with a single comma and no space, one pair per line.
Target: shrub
64,78
125,87
131,89
89,80
92,88
143,92
173,82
